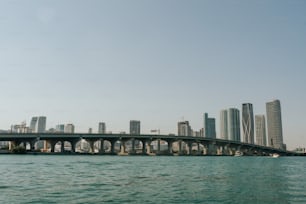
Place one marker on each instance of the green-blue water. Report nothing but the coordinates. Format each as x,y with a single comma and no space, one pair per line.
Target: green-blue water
144,179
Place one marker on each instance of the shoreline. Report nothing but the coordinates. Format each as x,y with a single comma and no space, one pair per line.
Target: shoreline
131,154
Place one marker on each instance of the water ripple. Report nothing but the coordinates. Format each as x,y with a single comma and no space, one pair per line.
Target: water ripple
109,179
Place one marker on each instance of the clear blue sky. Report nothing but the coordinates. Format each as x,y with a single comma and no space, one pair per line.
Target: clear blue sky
156,61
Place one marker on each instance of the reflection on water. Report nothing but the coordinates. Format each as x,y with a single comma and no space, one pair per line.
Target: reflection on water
96,179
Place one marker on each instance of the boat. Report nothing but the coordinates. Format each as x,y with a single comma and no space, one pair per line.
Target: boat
275,155
238,154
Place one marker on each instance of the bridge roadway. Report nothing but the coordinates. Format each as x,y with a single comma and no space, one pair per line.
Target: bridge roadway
204,146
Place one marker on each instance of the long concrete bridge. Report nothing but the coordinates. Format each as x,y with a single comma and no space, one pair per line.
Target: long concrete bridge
181,145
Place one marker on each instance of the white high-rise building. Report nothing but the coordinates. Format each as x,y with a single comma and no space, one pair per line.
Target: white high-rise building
248,123
223,125
38,124
230,124
274,121
41,124
33,124
69,128
102,128
135,127
184,128
260,124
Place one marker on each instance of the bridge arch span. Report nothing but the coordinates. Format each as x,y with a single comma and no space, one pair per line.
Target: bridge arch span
61,146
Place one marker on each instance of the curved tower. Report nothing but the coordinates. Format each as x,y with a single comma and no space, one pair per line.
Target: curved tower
248,123
274,121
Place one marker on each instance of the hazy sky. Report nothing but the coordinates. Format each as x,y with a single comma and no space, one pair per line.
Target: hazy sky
158,61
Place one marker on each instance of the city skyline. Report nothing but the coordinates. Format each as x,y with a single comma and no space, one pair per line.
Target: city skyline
155,61
230,126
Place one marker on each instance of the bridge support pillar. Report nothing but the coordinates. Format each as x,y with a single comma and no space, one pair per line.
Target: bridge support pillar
73,144
148,145
122,147
232,151
62,146
133,146
143,146
101,149
52,144
113,143
91,145
11,145
205,149
212,150
32,144
45,146
219,150
170,144
259,152
198,149
180,148
225,149
158,147
190,148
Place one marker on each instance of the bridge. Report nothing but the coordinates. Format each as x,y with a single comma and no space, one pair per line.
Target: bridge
140,144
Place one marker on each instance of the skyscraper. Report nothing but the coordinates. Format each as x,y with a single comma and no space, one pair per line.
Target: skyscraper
38,124
248,123
41,124
260,123
102,128
69,128
60,128
183,128
233,124
209,126
33,124
135,127
223,125
274,121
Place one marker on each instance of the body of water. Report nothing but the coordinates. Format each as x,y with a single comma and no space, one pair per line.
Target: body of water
155,179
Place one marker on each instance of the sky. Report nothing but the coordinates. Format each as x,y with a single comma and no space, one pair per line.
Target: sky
157,61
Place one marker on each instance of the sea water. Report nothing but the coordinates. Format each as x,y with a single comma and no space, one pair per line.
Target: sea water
151,179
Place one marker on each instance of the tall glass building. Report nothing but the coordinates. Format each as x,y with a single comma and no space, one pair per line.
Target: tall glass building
233,124
230,124
135,127
209,127
60,128
260,125
248,123
102,128
274,121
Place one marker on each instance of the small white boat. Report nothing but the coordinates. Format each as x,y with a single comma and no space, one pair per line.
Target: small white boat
238,154
275,155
